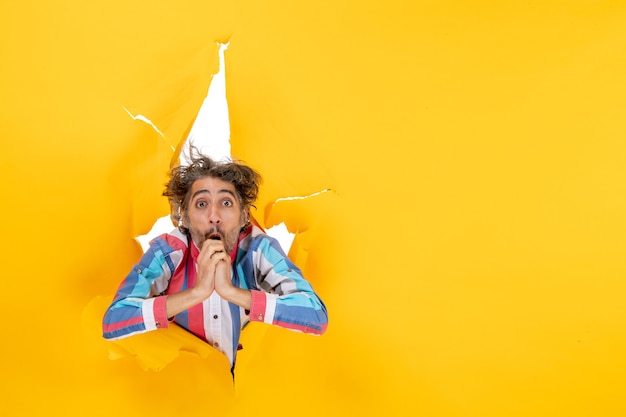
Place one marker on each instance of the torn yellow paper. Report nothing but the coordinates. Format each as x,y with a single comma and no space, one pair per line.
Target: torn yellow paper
470,254
153,350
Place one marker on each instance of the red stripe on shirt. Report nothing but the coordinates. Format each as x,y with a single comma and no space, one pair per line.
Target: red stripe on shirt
258,305
299,327
159,310
195,320
121,324
195,314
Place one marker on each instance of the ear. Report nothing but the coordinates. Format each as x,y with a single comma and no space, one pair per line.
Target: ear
180,217
246,216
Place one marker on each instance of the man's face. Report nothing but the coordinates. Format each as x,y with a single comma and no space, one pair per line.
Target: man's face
214,212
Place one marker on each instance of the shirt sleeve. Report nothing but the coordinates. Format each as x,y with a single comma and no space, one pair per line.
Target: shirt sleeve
139,304
284,298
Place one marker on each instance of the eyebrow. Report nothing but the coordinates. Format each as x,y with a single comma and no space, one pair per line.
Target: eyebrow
204,190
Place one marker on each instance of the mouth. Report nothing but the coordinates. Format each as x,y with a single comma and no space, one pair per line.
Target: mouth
214,236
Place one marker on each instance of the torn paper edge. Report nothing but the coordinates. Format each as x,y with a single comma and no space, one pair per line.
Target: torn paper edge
144,119
303,197
210,133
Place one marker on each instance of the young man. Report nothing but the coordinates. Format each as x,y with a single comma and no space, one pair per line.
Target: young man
216,271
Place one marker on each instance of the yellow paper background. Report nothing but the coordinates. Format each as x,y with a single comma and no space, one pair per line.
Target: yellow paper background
470,251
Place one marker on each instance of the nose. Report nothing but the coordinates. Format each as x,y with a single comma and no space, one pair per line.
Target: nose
214,215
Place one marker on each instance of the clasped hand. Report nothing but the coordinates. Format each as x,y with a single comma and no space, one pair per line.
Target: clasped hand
214,272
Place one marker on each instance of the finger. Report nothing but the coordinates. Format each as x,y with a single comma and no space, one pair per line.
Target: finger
210,248
212,243
221,257
215,247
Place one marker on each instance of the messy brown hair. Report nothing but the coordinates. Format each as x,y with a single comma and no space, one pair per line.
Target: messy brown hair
178,189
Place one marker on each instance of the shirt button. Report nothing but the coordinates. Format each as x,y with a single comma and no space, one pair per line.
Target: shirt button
215,316
260,317
290,270
216,344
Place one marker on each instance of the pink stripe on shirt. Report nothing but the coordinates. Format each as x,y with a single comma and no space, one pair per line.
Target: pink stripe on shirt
121,324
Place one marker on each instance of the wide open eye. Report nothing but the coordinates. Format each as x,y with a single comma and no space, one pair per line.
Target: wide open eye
201,204
227,203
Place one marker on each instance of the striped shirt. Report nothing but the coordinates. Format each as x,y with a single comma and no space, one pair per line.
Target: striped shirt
280,294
